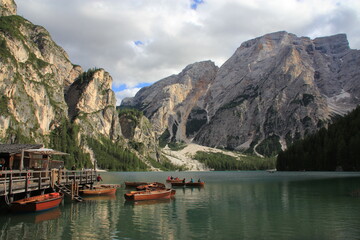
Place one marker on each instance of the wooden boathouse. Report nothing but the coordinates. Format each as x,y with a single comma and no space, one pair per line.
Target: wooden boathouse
28,169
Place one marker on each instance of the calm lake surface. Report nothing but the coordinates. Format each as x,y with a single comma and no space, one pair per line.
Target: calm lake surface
232,205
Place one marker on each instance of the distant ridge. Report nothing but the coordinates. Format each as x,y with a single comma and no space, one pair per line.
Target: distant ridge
274,90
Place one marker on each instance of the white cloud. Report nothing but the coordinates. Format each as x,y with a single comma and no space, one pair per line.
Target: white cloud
102,33
120,95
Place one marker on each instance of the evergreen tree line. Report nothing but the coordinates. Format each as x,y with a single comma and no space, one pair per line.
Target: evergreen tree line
65,138
131,113
335,148
114,157
223,162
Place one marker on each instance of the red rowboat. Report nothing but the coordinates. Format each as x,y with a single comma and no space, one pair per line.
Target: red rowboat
148,195
37,203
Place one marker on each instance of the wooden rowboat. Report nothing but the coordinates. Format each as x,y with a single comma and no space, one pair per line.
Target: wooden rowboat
98,191
195,184
155,185
37,203
174,180
188,184
135,184
148,195
178,184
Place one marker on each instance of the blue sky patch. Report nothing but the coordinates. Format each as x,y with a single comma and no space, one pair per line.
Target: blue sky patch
138,43
195,3
141,85
122,87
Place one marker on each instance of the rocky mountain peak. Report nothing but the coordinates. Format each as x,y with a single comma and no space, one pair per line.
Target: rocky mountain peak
170,101
333,44
91,97
274,89
7,7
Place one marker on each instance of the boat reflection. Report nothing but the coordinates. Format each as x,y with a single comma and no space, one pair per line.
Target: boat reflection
148,202
48,215
35,217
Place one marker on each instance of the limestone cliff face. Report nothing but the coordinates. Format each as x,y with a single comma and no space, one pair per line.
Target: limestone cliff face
273,90
33,73
7,7
169,102
92,104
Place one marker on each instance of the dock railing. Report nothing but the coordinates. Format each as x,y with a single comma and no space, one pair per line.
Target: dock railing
16,181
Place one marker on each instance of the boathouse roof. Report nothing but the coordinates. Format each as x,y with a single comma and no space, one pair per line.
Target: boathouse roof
17,148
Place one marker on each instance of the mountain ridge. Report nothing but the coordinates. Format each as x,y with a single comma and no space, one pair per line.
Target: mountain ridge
273,90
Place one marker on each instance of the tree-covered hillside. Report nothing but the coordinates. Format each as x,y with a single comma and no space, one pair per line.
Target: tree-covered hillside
335,148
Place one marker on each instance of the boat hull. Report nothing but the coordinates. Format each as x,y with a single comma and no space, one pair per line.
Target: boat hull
174,181
37,203
99,191
155,185
148,195
178,184
195,184
135,184
188,184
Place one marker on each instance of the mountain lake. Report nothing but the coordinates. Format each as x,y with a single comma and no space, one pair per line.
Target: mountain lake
232,205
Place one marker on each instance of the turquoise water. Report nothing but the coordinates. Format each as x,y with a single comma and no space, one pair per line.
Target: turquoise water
232,205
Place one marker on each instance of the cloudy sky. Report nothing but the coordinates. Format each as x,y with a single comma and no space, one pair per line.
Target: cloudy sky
142,41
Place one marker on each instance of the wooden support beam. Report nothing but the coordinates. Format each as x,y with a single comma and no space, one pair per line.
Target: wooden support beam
22,160
10,183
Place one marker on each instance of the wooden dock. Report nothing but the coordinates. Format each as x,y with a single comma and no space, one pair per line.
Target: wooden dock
17,182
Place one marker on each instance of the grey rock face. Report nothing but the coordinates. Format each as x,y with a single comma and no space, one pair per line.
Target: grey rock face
273,90
169,102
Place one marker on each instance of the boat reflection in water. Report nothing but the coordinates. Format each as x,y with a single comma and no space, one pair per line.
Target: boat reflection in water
47,215
148,202
99,197
34,217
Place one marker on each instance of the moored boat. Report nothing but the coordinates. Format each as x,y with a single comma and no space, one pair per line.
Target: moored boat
98,191
135,184
195,184
154,185
148,195
176,180
37,203
178,184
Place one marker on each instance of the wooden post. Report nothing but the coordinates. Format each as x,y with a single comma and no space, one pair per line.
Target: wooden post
22,160
72,189
40,179
59,176
10,183
27,181
52,177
